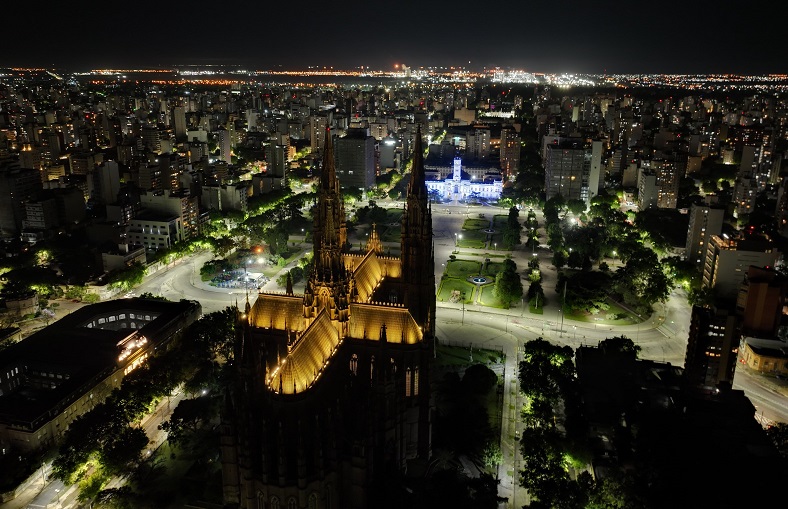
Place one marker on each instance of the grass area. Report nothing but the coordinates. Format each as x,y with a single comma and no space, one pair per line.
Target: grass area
391,234
448,285
475,224
486,255
493,268
272,270
487,298
393,216
462,268
473,239
460,356
534,310
499,221
605,317
496,241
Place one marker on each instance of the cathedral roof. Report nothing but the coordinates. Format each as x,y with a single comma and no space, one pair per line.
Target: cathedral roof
307,358
366,321
279,312
367,275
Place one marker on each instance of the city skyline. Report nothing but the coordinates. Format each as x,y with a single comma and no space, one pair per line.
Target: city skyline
581,37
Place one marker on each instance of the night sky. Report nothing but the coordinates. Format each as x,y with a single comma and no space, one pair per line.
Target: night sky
637,36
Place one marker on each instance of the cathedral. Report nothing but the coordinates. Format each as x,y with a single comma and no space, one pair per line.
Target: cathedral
331,400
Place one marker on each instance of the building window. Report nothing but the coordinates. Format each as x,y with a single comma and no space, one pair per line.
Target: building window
416,381
354,364
313,501
274,503
292,504
407,383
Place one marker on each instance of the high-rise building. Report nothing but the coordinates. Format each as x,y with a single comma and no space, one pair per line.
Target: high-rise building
567,167
647,189
727,261
179,121
355,159
712,348
17,185
180,205
224,140
595,174
704,222
318,127
151,138
332,395
477,143
510,152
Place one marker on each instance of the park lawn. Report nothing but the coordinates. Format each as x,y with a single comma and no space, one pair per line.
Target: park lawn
601,317
475,224
473,239
487,298
450,284
463,268
392,234
534,310
496,241
460,356
393,215
500,221
493,268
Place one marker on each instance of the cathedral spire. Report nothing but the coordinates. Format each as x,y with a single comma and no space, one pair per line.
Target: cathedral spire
328,175
289,289
418,262
417,185
373,243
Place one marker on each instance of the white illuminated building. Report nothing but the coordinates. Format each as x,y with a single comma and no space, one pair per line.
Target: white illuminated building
455,187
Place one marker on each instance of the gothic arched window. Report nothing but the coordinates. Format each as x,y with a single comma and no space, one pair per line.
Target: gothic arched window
354,364
274,503
313,501
292,504
407,383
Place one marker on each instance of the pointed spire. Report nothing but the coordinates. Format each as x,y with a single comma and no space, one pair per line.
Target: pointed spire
373,242
289,289
328,175
417,185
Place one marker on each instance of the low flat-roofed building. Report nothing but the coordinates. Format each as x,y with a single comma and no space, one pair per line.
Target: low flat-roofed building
766,355
61,372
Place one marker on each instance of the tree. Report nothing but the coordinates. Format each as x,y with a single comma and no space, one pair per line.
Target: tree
128,278
559,258
123,448
620,345
778,434
187,418
76,292
545,369
511,232
576,206
508,286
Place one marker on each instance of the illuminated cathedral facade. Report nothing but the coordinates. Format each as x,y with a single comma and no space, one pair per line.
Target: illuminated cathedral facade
332,400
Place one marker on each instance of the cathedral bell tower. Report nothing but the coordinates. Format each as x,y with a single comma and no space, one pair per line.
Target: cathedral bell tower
328,285
418,259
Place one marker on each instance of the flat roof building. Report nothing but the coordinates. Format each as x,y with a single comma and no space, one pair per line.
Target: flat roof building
61,372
